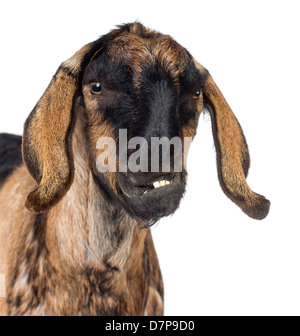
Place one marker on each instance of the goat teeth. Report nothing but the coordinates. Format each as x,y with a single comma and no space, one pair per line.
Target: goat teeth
156,184
162,183
145,192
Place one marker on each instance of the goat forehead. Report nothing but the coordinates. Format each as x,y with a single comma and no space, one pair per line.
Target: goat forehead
142,52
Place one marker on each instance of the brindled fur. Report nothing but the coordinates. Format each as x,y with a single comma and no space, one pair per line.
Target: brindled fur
77,247
83,257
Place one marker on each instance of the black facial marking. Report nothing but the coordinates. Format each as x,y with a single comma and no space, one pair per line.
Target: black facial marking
191,82
10,154
117,99
158,105
148,103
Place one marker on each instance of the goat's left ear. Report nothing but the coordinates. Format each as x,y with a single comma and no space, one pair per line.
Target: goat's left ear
232,151
46,145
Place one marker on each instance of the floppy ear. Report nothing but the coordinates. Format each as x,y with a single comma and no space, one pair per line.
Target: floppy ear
46,145
232,152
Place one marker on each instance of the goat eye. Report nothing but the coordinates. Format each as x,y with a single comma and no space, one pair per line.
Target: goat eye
196,95
96,88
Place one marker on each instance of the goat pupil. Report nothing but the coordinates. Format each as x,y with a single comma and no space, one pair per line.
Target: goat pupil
96,88
197,94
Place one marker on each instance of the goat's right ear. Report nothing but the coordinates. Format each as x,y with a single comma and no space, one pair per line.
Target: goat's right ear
46,145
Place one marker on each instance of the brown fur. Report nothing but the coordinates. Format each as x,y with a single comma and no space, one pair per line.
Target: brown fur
81,254
152,49
191,129
46,147
232,153
104,128
55,263
73,64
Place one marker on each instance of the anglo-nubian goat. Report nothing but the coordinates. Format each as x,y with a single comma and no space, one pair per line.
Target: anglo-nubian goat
75,240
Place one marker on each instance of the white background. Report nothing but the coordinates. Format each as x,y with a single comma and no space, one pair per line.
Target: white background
215,260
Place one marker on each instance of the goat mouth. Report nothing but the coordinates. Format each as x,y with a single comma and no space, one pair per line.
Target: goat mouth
155,200
164,184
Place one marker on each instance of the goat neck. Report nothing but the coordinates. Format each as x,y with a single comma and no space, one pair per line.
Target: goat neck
91,231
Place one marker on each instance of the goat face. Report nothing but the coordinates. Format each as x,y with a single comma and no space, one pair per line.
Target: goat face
150,89
147,85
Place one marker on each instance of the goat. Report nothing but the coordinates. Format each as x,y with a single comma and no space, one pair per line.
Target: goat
74,240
